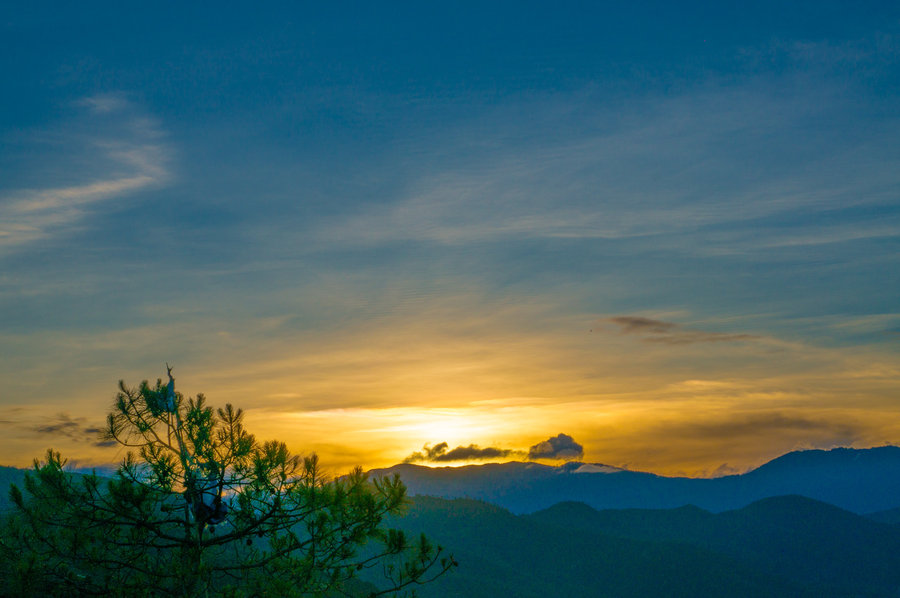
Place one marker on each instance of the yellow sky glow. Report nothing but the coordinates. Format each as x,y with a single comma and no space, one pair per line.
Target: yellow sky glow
373,396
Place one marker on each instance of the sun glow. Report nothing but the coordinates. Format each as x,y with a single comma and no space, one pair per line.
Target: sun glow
437,425
413,425
387,436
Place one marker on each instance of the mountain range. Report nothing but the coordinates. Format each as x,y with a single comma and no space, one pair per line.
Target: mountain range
810,524
858,480
788,546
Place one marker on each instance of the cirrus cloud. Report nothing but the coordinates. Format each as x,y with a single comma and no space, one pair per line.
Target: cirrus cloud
73,428
659,331
128,155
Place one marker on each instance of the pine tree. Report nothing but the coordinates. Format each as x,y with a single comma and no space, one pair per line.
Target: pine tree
199,507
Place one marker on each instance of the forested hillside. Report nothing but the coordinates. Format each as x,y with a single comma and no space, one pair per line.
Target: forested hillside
788,546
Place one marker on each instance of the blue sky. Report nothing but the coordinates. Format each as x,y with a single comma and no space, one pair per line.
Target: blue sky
670,232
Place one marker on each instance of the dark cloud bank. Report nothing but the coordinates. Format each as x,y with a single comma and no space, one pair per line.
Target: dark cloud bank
439,453
561,446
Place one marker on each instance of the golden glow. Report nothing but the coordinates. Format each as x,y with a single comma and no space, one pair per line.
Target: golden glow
375,396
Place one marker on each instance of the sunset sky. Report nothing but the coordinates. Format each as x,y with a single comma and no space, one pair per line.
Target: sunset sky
668,231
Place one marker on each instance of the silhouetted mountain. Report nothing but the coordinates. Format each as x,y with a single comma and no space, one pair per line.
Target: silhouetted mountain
785,546
790,536
858,480
890,516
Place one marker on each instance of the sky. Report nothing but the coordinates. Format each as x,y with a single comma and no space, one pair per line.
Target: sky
659,236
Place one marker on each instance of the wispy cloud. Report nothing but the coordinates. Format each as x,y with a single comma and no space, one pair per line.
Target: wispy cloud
768,423
104,103
74,428
127,155
658,331
737,434
62,427
678,166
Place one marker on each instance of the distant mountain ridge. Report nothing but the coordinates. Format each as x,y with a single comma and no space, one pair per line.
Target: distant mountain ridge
858,480
863,481
781,547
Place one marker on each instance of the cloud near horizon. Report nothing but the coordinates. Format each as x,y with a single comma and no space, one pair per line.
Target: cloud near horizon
561,446
439,453
74,428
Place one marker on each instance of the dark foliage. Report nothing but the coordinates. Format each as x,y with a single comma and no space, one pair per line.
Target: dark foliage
199,507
